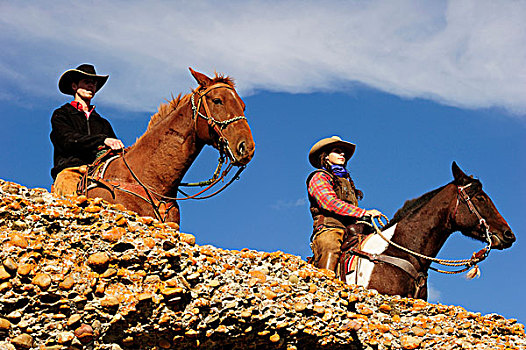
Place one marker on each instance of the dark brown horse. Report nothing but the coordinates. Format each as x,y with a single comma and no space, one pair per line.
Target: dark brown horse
419,230
146,180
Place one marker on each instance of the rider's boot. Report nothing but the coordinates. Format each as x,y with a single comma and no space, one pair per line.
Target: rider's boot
329,261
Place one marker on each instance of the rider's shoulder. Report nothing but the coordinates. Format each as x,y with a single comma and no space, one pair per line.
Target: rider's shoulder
319,173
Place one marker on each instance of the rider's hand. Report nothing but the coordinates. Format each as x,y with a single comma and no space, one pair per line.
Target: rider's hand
373,213
114,144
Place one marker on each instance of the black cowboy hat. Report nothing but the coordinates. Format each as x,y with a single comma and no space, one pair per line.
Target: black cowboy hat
330,142
81,72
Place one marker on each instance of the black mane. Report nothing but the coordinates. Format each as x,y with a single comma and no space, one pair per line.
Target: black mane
412,205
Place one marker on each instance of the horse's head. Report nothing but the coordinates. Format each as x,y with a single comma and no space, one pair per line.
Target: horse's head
220,119
475,214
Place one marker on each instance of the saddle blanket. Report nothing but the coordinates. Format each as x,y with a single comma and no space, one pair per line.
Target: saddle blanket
360,269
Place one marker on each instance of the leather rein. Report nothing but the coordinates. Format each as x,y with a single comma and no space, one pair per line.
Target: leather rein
421,277
162,204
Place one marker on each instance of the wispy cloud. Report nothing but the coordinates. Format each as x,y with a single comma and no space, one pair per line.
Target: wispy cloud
462,53
433,294
288,204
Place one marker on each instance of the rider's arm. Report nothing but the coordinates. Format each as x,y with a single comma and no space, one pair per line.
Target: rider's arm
67,135
321,189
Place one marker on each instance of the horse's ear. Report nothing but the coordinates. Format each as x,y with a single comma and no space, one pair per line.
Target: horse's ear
202,79
460,177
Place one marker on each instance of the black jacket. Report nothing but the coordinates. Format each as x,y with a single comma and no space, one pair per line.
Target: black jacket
75,138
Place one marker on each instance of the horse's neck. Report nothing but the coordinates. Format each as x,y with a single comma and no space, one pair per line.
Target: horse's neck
162,156
426,230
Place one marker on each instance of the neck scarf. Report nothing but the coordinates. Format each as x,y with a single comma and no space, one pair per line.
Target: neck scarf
339,170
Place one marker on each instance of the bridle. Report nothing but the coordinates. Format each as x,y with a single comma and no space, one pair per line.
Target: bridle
161,204
462,195
213,123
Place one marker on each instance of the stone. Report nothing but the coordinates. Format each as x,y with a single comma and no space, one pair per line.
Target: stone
275,338
109,302
114,235
43,280
73,319
24,341
98,260
10,265
155,288
65,337
19,241
25,269
409,342
4,324
84,333
67,283
4,275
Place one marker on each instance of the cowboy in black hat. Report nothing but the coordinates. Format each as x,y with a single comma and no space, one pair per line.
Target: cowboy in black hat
78,132
333,201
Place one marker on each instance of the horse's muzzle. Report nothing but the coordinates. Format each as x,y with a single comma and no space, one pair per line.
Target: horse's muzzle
503,241
243,153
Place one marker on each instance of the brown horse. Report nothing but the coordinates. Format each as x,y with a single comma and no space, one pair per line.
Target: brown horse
419,230
147,178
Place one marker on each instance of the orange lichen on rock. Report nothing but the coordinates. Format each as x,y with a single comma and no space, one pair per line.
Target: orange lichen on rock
93,275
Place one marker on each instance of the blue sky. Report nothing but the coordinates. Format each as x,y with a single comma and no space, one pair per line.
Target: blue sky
416,85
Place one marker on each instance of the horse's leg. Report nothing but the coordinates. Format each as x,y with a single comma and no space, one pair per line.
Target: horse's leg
174,214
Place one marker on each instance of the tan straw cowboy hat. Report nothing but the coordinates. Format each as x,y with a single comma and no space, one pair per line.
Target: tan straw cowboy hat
81,72
330,142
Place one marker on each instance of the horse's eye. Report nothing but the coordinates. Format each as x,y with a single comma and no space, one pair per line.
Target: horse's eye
217,101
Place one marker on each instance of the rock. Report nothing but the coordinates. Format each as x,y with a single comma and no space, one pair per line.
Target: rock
42,280
114,235
19,241
409,342
10,265
84,333
109,302
98,261
4,275
73,319
65,337
67,283
24,341
4,324
106,278
25,269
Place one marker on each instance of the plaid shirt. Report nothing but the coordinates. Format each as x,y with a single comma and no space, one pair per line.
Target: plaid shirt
321,189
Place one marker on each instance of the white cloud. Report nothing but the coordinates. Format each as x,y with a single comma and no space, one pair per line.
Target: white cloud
288,204
462,53
433,294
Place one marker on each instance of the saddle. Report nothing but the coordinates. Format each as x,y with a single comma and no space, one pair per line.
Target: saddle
94,175
355,236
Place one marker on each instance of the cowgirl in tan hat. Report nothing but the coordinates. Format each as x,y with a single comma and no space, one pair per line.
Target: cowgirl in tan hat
78,132
333,200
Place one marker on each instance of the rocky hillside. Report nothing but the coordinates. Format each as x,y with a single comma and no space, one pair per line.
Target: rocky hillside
83,274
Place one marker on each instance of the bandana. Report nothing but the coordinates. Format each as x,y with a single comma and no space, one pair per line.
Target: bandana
339,170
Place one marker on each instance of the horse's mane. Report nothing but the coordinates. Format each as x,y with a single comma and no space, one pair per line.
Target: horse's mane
412,205
166,108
